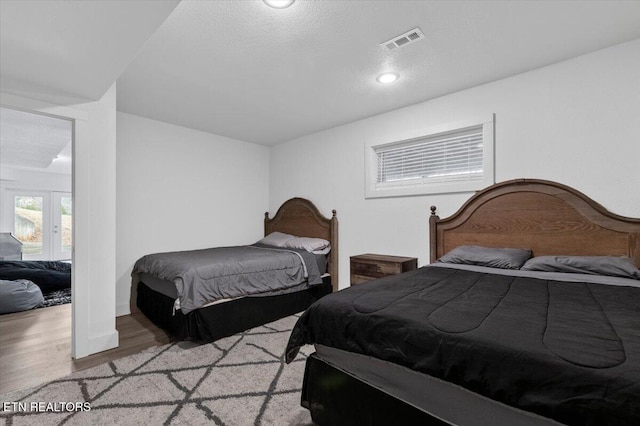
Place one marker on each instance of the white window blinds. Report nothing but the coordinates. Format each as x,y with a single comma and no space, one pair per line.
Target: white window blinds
454,157
446,157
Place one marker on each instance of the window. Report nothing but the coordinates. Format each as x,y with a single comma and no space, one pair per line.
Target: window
456,159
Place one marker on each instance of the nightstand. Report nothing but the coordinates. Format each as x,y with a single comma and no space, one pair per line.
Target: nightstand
366,267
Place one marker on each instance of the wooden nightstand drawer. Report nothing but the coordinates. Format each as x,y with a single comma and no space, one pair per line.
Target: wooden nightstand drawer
366,267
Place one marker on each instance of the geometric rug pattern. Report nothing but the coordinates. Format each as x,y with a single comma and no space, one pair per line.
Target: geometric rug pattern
239,380
55,298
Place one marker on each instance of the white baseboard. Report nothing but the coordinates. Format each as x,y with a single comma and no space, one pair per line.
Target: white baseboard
98,344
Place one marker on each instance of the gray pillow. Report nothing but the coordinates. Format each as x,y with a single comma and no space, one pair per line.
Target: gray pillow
596,265
307,243
19,295
504,258
276,239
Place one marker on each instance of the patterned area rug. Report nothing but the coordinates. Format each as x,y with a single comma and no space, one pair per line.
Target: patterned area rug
239,380
56,298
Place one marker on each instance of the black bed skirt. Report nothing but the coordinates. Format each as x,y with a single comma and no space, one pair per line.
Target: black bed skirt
336,398
225,319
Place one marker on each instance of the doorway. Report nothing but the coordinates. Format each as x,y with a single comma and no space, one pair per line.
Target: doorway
36,208
93,188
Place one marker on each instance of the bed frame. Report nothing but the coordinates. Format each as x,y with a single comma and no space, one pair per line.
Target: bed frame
302,218
296,216
547,217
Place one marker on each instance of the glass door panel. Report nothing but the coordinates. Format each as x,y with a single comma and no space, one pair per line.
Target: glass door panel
62,231
31,224
28,224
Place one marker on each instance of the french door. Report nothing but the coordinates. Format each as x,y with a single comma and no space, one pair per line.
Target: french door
62,241
42,222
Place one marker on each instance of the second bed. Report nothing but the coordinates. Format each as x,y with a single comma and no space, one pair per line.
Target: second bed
213,293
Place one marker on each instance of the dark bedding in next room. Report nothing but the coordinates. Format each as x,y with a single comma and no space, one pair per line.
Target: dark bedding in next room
53,278
566,349
50,276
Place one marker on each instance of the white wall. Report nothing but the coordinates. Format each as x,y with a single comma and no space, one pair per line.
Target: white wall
575,122
182,189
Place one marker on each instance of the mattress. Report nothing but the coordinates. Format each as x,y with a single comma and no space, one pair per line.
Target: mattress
168,288
208,275
569,351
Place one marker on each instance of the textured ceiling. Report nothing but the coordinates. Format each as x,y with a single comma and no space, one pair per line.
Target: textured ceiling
72,51
34,141
250,72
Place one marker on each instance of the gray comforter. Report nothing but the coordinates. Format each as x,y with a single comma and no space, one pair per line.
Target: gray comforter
204,276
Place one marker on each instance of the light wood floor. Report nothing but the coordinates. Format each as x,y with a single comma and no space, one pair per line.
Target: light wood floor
35,346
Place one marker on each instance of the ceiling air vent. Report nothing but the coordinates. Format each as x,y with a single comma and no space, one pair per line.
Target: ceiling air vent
404,39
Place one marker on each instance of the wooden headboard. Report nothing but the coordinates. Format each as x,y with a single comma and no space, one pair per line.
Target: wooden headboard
302,218
546,217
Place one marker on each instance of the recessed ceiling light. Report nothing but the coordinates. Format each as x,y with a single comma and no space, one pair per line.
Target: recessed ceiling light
279,4
388,77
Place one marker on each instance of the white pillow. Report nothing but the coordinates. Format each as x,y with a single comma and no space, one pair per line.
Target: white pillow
276,239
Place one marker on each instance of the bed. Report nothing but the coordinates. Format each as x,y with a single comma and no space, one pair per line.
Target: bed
226,308
470,345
